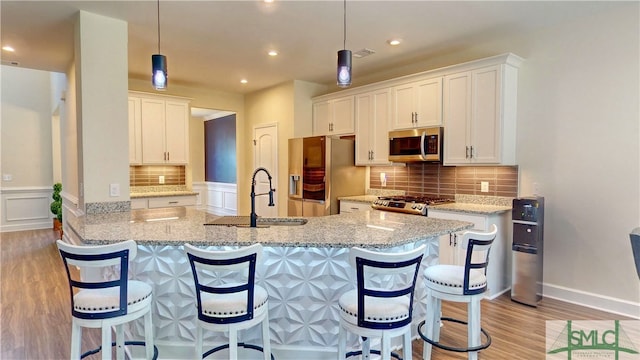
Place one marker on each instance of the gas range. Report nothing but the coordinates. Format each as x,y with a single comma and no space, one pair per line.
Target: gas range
408,204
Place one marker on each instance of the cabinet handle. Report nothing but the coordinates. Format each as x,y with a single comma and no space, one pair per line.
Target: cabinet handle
173,202
416,117
413,115
168,154
450,240
466,152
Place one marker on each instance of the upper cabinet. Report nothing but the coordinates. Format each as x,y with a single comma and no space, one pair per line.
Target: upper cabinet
373,110
417,104
334,116
164,127
480,116
475,102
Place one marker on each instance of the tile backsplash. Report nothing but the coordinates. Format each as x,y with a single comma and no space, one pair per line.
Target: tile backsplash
427,179
150,175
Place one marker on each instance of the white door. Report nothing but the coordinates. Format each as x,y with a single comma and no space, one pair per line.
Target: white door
265,154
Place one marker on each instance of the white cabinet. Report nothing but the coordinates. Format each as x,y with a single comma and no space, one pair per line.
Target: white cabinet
171,201
372,127
164,128
135,131
347,206
163,202
480,116
499,269
417,104
334,116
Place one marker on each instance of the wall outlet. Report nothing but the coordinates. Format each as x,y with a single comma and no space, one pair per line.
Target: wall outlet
7,177
383,179
484,186
114,189
161,179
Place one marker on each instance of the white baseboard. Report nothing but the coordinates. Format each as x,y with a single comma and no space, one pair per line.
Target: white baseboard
591,300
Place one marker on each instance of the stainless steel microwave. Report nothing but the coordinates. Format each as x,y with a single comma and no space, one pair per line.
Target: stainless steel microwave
423,144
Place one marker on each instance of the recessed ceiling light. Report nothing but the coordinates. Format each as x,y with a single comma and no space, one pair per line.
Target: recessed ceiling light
273,53
8,48
268,1
244,81
394,42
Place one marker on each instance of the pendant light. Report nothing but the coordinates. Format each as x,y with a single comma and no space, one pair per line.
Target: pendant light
159,64
344,57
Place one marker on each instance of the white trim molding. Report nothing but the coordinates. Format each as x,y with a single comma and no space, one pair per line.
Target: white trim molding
26,208
591,300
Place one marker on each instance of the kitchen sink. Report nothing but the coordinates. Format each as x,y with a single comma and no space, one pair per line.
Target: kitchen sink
244,221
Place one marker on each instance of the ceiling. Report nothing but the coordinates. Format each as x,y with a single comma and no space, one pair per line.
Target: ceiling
215,44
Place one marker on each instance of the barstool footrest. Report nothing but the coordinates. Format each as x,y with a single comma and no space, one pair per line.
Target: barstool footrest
452,348
377,352
135,343
226,346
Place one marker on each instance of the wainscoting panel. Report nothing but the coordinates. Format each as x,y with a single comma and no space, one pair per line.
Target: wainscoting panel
26,208
221,198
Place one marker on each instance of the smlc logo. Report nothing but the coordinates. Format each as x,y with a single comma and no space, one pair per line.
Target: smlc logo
589,339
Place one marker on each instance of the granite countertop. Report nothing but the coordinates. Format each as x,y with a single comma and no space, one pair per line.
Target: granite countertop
359,198
463,207
484,209
175,226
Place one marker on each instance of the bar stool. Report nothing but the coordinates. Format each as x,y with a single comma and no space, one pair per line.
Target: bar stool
458,283
382,303
99,303
229,307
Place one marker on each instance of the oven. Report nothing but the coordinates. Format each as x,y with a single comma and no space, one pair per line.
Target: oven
416,205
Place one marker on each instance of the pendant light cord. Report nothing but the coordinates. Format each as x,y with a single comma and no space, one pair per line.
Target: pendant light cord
158,26
344,37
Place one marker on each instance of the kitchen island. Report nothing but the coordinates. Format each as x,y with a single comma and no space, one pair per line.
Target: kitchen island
305,269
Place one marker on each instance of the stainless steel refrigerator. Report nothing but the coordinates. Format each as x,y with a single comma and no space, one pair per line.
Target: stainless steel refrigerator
321,169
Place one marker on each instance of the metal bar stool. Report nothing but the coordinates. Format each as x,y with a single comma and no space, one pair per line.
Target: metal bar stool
230,306
98,303
458,283
382,304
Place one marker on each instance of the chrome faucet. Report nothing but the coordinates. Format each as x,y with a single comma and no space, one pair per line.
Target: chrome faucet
254,216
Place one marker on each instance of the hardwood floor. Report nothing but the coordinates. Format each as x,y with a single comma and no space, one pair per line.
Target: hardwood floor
36,319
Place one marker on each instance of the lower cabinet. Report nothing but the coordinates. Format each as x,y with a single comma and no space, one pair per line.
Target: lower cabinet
451,252
163,202
351,206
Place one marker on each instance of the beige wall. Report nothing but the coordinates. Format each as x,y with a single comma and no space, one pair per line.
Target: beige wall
101,85
26,127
